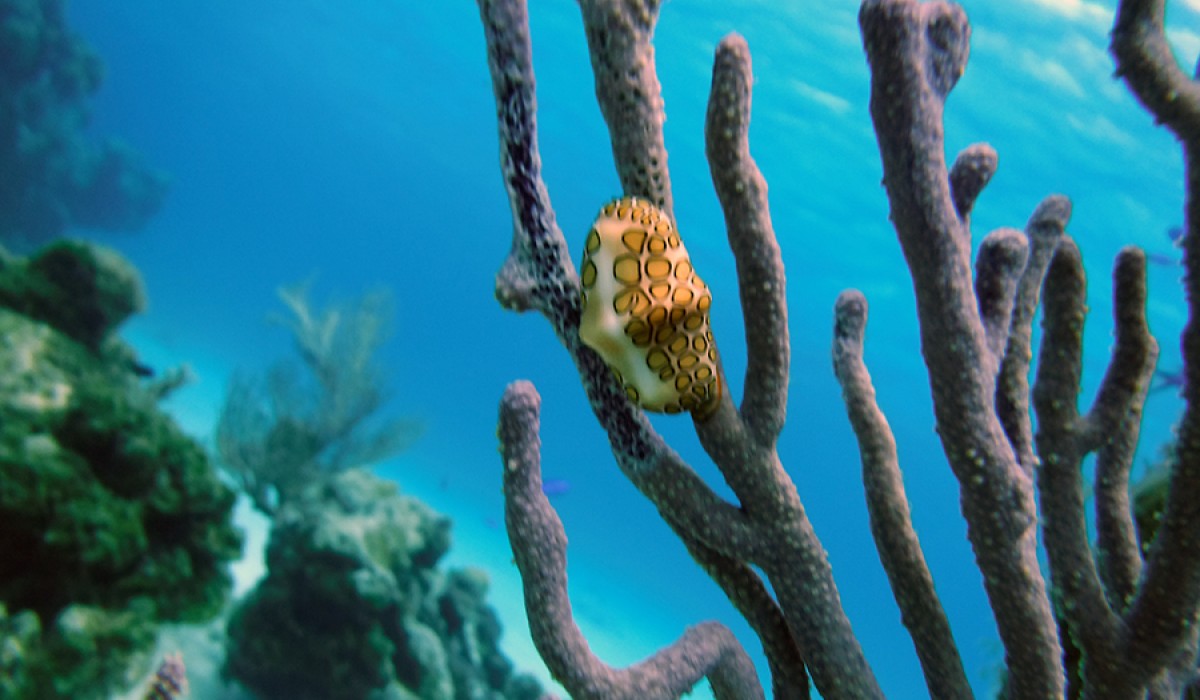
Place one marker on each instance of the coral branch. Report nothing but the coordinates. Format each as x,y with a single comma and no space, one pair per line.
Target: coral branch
743,194
722,537
538,273
1060,479
1044,229
789,678
1093,594
539,547
976,335
743,444
891,523
916,53
627,89
1125,386
1146,63
1134,354
971,172
998,269
1116,535
1163,615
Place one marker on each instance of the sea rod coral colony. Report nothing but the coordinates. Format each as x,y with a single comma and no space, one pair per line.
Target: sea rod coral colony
1122,624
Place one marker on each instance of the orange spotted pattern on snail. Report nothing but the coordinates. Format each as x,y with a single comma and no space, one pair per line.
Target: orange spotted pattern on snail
646,311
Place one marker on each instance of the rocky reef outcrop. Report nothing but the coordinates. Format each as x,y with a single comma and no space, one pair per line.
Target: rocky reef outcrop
114,520
56,175
355,605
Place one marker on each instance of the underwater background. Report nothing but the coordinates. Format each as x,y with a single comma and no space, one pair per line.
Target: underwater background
353,143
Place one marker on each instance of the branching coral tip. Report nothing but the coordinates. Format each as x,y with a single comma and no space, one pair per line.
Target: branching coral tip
645,310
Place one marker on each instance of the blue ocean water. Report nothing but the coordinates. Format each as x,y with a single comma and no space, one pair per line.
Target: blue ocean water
355,140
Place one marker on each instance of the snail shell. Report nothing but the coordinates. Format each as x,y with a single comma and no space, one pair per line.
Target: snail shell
646,311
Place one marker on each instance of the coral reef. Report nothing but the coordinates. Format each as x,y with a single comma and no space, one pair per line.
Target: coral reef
83,291
280,433
85,652
355,606
114,520
1113,623
55,178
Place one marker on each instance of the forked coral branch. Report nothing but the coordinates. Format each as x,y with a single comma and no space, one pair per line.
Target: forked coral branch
539,546
1135,634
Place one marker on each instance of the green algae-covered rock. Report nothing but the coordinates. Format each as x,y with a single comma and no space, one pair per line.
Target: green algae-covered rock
82,290
354,605
19,635
114,519
91,649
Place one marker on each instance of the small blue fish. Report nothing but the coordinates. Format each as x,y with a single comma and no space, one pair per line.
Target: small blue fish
1175,233
555,487
1165,380
1163,259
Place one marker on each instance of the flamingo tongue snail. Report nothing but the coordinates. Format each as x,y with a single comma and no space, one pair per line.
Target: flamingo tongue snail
646,311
